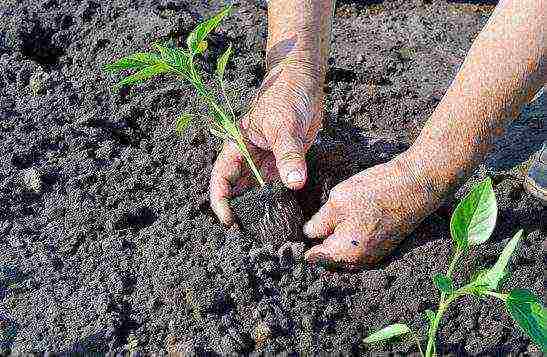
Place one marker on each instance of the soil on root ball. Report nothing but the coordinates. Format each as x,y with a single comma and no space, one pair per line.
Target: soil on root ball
270,213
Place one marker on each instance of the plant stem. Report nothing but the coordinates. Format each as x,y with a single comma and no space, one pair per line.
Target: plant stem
241,144
243,149
502,297
234,132
443,305
433,330
454,261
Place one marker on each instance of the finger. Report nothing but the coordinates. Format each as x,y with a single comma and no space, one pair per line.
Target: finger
341,250
288,150
322,224
225,172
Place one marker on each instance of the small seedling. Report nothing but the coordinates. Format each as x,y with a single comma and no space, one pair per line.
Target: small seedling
472,224
180,62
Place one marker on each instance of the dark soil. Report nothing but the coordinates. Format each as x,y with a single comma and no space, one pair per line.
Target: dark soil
107,241
270,214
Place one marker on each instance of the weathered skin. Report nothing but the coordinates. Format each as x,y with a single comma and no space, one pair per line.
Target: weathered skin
285,115
369,214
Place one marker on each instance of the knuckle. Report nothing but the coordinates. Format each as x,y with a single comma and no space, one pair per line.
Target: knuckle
291,156
333,196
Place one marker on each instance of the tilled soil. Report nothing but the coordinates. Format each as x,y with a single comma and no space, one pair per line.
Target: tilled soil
107,241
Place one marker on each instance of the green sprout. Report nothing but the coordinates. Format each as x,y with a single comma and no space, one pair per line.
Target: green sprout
472,224
168,59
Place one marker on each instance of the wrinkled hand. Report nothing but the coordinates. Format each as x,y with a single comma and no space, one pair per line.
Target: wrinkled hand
369,214
281,125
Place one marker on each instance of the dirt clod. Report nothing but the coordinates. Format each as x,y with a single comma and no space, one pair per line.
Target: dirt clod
270,213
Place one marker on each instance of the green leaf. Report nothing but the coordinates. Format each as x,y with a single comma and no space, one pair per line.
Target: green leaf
477,287
491,278
182,123
430,314
475,216
222,61
174,57
199,34
387,333
526,309
443,283
142,75
138,61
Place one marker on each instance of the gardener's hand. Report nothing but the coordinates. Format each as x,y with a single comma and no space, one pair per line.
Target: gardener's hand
280,127
367,215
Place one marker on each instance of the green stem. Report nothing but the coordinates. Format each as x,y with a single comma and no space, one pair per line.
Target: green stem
502,297
443,305
243,149
454,261
235,134
433,330
233,131
239,139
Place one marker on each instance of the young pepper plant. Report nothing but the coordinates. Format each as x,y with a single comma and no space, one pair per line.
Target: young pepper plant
180,62
471,224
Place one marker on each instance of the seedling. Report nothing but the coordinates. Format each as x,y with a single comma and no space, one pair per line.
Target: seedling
472,224
180,62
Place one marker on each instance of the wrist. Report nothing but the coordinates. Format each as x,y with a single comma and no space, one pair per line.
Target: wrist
299,33
433,182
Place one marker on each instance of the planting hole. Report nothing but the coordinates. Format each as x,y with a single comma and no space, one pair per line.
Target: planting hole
38,46
138,219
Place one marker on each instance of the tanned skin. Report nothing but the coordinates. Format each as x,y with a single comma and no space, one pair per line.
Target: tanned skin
286,113
369,214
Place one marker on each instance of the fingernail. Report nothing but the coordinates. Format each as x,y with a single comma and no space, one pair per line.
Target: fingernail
305,228
295,177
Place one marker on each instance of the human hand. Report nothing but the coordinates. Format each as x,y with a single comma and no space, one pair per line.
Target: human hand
369,214
281,125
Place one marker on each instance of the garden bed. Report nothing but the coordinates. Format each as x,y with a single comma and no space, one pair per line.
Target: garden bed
107,241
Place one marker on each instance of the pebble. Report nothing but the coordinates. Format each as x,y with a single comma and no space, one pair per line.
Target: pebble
112,243
262,334
38,82
316,289
32,180
285,280
240,340
298,272
209,300
333,310
228,344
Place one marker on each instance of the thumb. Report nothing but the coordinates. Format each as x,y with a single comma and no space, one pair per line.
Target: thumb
323,223
290,159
